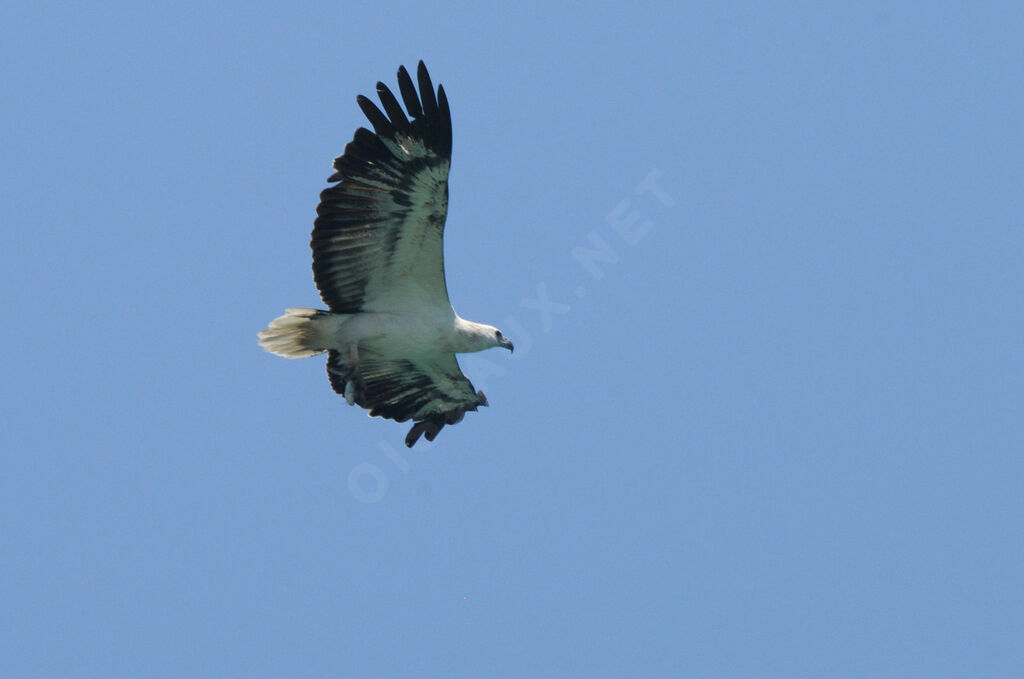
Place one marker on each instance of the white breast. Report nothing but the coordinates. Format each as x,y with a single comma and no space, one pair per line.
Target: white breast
406,335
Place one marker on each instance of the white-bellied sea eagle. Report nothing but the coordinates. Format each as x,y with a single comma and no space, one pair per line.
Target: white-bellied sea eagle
390,333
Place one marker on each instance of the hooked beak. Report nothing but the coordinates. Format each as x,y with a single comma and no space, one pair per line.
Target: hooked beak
507,344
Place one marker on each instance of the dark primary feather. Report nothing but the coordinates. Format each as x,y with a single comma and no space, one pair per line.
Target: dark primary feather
409,96
394,110
390,204
380,122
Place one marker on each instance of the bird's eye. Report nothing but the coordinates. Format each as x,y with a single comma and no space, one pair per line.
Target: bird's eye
497,333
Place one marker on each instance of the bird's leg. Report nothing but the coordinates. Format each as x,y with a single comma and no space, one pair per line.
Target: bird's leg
353,378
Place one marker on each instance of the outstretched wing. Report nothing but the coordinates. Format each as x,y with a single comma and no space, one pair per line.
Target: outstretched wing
378,237
432,391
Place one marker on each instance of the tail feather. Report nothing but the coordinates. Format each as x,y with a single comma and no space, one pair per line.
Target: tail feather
294,335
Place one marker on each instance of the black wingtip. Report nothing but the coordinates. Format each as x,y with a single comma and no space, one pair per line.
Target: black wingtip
408,92
393,109
444,142
426,91
428,109
414,435
381,124
430,428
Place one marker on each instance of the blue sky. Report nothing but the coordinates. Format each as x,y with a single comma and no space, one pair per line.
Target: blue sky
774,429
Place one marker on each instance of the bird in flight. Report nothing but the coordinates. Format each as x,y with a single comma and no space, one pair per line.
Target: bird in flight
390,332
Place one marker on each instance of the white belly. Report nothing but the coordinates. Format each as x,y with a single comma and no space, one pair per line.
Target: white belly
395,335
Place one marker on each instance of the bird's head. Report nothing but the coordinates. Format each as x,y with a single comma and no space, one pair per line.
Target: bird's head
478,336
502,341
